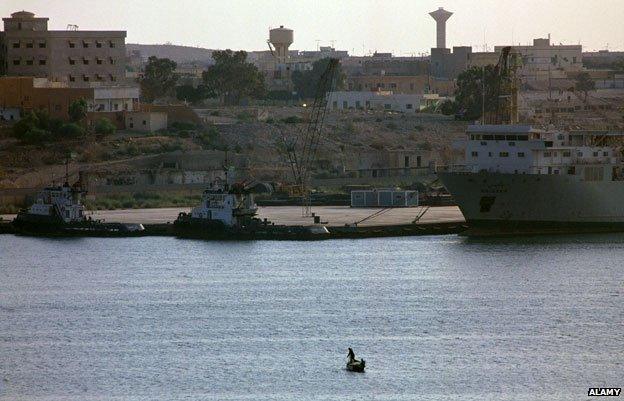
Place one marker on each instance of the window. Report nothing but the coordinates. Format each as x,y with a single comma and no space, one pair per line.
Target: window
29,62
72,78
520,154
72,61
42,45
406,161
595,154
387,106
475,154
42,62
16,45
85,61
16,62
111,60
71,45
579,154
566,153
30,45
98,61
98,44
547,154
85,44
408,106
512,144
605,153
111,44
144,122
85,78
489,154
504,154
345,105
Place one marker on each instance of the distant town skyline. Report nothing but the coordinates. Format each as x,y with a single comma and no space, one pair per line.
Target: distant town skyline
359,26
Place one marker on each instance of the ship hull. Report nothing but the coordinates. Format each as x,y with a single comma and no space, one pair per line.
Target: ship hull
36,225
188,227
499,204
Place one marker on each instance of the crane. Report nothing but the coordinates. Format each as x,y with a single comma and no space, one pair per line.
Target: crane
302,151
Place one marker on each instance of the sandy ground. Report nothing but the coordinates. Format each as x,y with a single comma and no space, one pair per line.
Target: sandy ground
332,215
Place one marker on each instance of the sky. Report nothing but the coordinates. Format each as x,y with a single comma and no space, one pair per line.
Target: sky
402,27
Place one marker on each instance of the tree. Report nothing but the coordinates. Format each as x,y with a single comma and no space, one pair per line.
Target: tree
159,78
190,94
306,82
104,126
232,78
584,83
77,110
469,97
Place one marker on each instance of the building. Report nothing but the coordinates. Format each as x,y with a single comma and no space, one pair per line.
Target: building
410,84
543,61
382,100
28,93
391,163
146,121
78,58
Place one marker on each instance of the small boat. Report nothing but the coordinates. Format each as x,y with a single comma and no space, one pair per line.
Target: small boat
356,365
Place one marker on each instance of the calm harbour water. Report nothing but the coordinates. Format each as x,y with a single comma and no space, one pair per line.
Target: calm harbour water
436,318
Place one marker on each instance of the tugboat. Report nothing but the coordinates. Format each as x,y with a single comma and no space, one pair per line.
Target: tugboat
229,212
58,211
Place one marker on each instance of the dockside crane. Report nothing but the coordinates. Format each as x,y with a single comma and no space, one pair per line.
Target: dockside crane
303,150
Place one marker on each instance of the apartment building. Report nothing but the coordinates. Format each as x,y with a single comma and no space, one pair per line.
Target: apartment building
78,58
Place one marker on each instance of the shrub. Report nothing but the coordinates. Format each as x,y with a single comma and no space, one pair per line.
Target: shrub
292,120
104,126
36,136
182,126
71,131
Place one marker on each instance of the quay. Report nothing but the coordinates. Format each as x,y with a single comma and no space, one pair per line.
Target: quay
339,220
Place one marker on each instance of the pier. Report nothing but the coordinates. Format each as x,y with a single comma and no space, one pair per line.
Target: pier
340,220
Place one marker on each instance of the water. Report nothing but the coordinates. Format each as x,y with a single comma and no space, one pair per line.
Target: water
436,318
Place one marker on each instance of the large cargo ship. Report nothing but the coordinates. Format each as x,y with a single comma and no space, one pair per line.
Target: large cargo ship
519,179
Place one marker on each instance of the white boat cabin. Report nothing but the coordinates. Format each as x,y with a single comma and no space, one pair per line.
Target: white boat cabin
63,201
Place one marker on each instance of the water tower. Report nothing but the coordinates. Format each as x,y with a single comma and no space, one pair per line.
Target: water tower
440,16
281,38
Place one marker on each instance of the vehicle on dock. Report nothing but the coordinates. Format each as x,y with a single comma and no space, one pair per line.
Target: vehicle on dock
229,212
58,211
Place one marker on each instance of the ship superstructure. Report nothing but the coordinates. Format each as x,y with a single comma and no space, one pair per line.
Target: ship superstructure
520,178
230,207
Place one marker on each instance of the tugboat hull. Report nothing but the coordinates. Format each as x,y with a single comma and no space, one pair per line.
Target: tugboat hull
26,224
189,227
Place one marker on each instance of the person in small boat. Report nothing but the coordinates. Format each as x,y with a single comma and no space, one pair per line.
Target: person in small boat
351,356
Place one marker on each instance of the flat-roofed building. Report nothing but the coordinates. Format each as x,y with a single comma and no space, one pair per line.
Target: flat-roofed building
29,93
79,58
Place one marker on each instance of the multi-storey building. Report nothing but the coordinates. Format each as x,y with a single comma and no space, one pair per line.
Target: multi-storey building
79,58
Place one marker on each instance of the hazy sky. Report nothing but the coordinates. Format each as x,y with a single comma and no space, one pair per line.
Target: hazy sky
359,26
